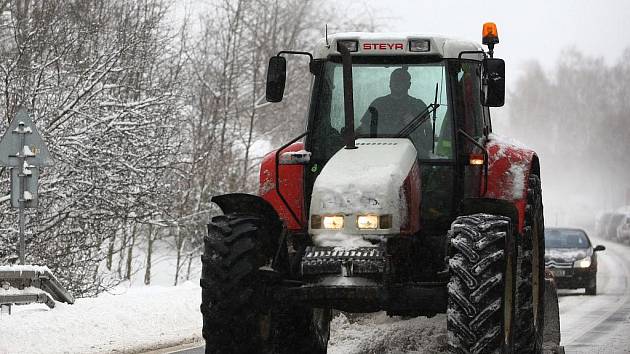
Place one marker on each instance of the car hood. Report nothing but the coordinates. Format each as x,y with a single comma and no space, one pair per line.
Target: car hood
566,254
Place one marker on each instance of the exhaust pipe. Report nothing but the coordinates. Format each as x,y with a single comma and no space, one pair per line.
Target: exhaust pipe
348,102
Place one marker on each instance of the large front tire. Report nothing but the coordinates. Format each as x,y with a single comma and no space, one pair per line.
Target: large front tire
481,289
236,318
239,314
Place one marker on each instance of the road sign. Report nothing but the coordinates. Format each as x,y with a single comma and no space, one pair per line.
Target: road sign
23,151
32,147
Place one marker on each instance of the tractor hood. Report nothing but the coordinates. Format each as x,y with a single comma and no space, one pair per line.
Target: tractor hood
367,180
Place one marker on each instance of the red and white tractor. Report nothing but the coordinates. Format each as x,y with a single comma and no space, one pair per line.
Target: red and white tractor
397,198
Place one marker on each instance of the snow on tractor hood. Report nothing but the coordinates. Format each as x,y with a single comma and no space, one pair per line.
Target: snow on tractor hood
362,181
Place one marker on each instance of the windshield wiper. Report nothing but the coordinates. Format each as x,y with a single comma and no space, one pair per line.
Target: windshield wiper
421,118
417,121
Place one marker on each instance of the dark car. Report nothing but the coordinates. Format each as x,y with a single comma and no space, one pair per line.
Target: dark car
601,228
611,228
623,230
572,259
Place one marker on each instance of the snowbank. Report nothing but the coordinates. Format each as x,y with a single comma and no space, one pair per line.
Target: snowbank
24,268
125,320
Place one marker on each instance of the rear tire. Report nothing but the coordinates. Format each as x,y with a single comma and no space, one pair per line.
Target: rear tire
239,315
531,275
481,291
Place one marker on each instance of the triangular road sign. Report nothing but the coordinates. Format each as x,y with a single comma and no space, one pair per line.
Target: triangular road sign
34,147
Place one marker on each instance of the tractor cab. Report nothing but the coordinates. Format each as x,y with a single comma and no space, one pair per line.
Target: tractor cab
433,91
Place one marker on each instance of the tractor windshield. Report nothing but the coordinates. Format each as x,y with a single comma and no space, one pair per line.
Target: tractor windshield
387,97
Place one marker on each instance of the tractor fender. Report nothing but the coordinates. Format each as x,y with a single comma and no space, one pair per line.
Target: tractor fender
488,206
291,183
509,167
241,203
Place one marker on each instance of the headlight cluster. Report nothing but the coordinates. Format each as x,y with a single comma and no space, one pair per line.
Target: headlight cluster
582,263
333,222
363,222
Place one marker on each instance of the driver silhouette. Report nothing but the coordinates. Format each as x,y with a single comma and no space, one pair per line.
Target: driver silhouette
387,115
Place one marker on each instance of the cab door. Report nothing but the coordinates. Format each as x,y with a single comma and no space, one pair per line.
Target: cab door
472,126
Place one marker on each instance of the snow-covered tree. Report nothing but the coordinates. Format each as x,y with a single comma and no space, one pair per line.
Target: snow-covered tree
98,79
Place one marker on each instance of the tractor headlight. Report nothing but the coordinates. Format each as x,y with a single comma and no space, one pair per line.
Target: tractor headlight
373,222
582,263
332,222
367,222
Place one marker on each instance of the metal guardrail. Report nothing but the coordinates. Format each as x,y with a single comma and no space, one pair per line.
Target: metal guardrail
21,297
28,284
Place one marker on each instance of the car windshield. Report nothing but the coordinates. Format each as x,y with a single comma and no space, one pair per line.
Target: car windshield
559,238
387,97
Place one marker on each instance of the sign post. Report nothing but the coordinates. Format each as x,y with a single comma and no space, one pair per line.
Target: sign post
23,150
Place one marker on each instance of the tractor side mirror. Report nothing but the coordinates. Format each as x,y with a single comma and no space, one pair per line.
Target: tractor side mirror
599,248
494,82
276,78
295,158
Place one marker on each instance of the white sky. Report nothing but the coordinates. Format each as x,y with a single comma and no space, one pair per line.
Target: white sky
530,29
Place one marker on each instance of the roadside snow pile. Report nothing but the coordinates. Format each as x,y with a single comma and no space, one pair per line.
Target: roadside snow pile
24,268
125,320
379,333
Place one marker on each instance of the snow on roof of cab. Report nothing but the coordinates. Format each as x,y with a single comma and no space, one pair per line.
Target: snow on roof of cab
397,44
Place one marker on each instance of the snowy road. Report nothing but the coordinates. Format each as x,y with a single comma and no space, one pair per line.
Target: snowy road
600,324
589,324
375,334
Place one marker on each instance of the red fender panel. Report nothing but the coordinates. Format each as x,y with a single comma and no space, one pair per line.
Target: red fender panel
509,166
291,187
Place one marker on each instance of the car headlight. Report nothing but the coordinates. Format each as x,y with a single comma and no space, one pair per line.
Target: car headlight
582,263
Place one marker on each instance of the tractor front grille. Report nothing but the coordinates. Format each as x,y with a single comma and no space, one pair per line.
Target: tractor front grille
328,260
